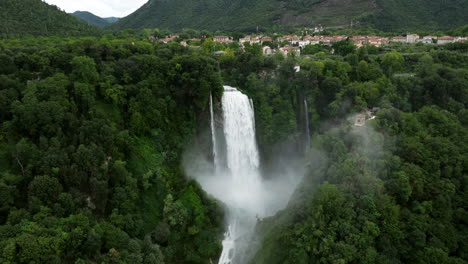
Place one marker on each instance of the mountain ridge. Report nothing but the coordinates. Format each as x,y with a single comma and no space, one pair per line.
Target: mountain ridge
111,19
241,15
37,18
90,18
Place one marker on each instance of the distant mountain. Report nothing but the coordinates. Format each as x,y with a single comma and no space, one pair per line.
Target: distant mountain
243,15
91,18
111,19
34,17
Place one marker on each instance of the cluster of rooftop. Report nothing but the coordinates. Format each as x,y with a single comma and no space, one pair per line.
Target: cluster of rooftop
415,38
293,44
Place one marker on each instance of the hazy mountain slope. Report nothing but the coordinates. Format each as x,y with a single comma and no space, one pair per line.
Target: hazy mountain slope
111,19
90,18
34,17
206,14
271,14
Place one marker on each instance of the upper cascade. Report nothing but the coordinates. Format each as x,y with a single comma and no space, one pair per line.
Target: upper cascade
239,131
230,89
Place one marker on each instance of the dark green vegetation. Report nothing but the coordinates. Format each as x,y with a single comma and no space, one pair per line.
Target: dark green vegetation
461,31
209,15
393,191
36,18
91,18
239,15
401,15
93,130
91,137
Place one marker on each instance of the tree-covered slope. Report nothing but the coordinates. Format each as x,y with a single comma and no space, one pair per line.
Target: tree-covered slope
397,15
210,14
93,133
34,17
91,18
91,137
273,14
392,191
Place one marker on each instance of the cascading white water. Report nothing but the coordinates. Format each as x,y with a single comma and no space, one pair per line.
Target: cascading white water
307,128
243,170
236,179
213,134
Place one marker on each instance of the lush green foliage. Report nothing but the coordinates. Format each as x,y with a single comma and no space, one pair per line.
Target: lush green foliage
91,136
36,18
393,191
93,130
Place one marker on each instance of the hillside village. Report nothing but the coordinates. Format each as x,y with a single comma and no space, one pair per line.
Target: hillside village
293,44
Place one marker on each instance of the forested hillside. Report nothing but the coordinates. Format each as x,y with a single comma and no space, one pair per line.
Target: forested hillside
36,18
391,191
238,15
209,15
91,136
93,132
91,19
398,15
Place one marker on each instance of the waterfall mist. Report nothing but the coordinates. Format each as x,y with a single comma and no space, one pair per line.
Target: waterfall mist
237,181
306,124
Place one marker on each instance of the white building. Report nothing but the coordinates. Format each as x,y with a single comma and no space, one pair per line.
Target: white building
222,39
445,40
399,39
412,38
303,43
255,41
428,39
461,39
286,50
267,51
244,39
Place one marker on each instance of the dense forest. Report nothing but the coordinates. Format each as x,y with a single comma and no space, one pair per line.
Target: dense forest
393,191
93,131
277,15
36,18
401,15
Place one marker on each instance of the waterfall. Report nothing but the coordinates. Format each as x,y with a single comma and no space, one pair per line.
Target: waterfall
213,134
307,127
239,130
245,201
236,180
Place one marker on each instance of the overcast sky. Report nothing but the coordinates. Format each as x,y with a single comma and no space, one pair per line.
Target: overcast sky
102,8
